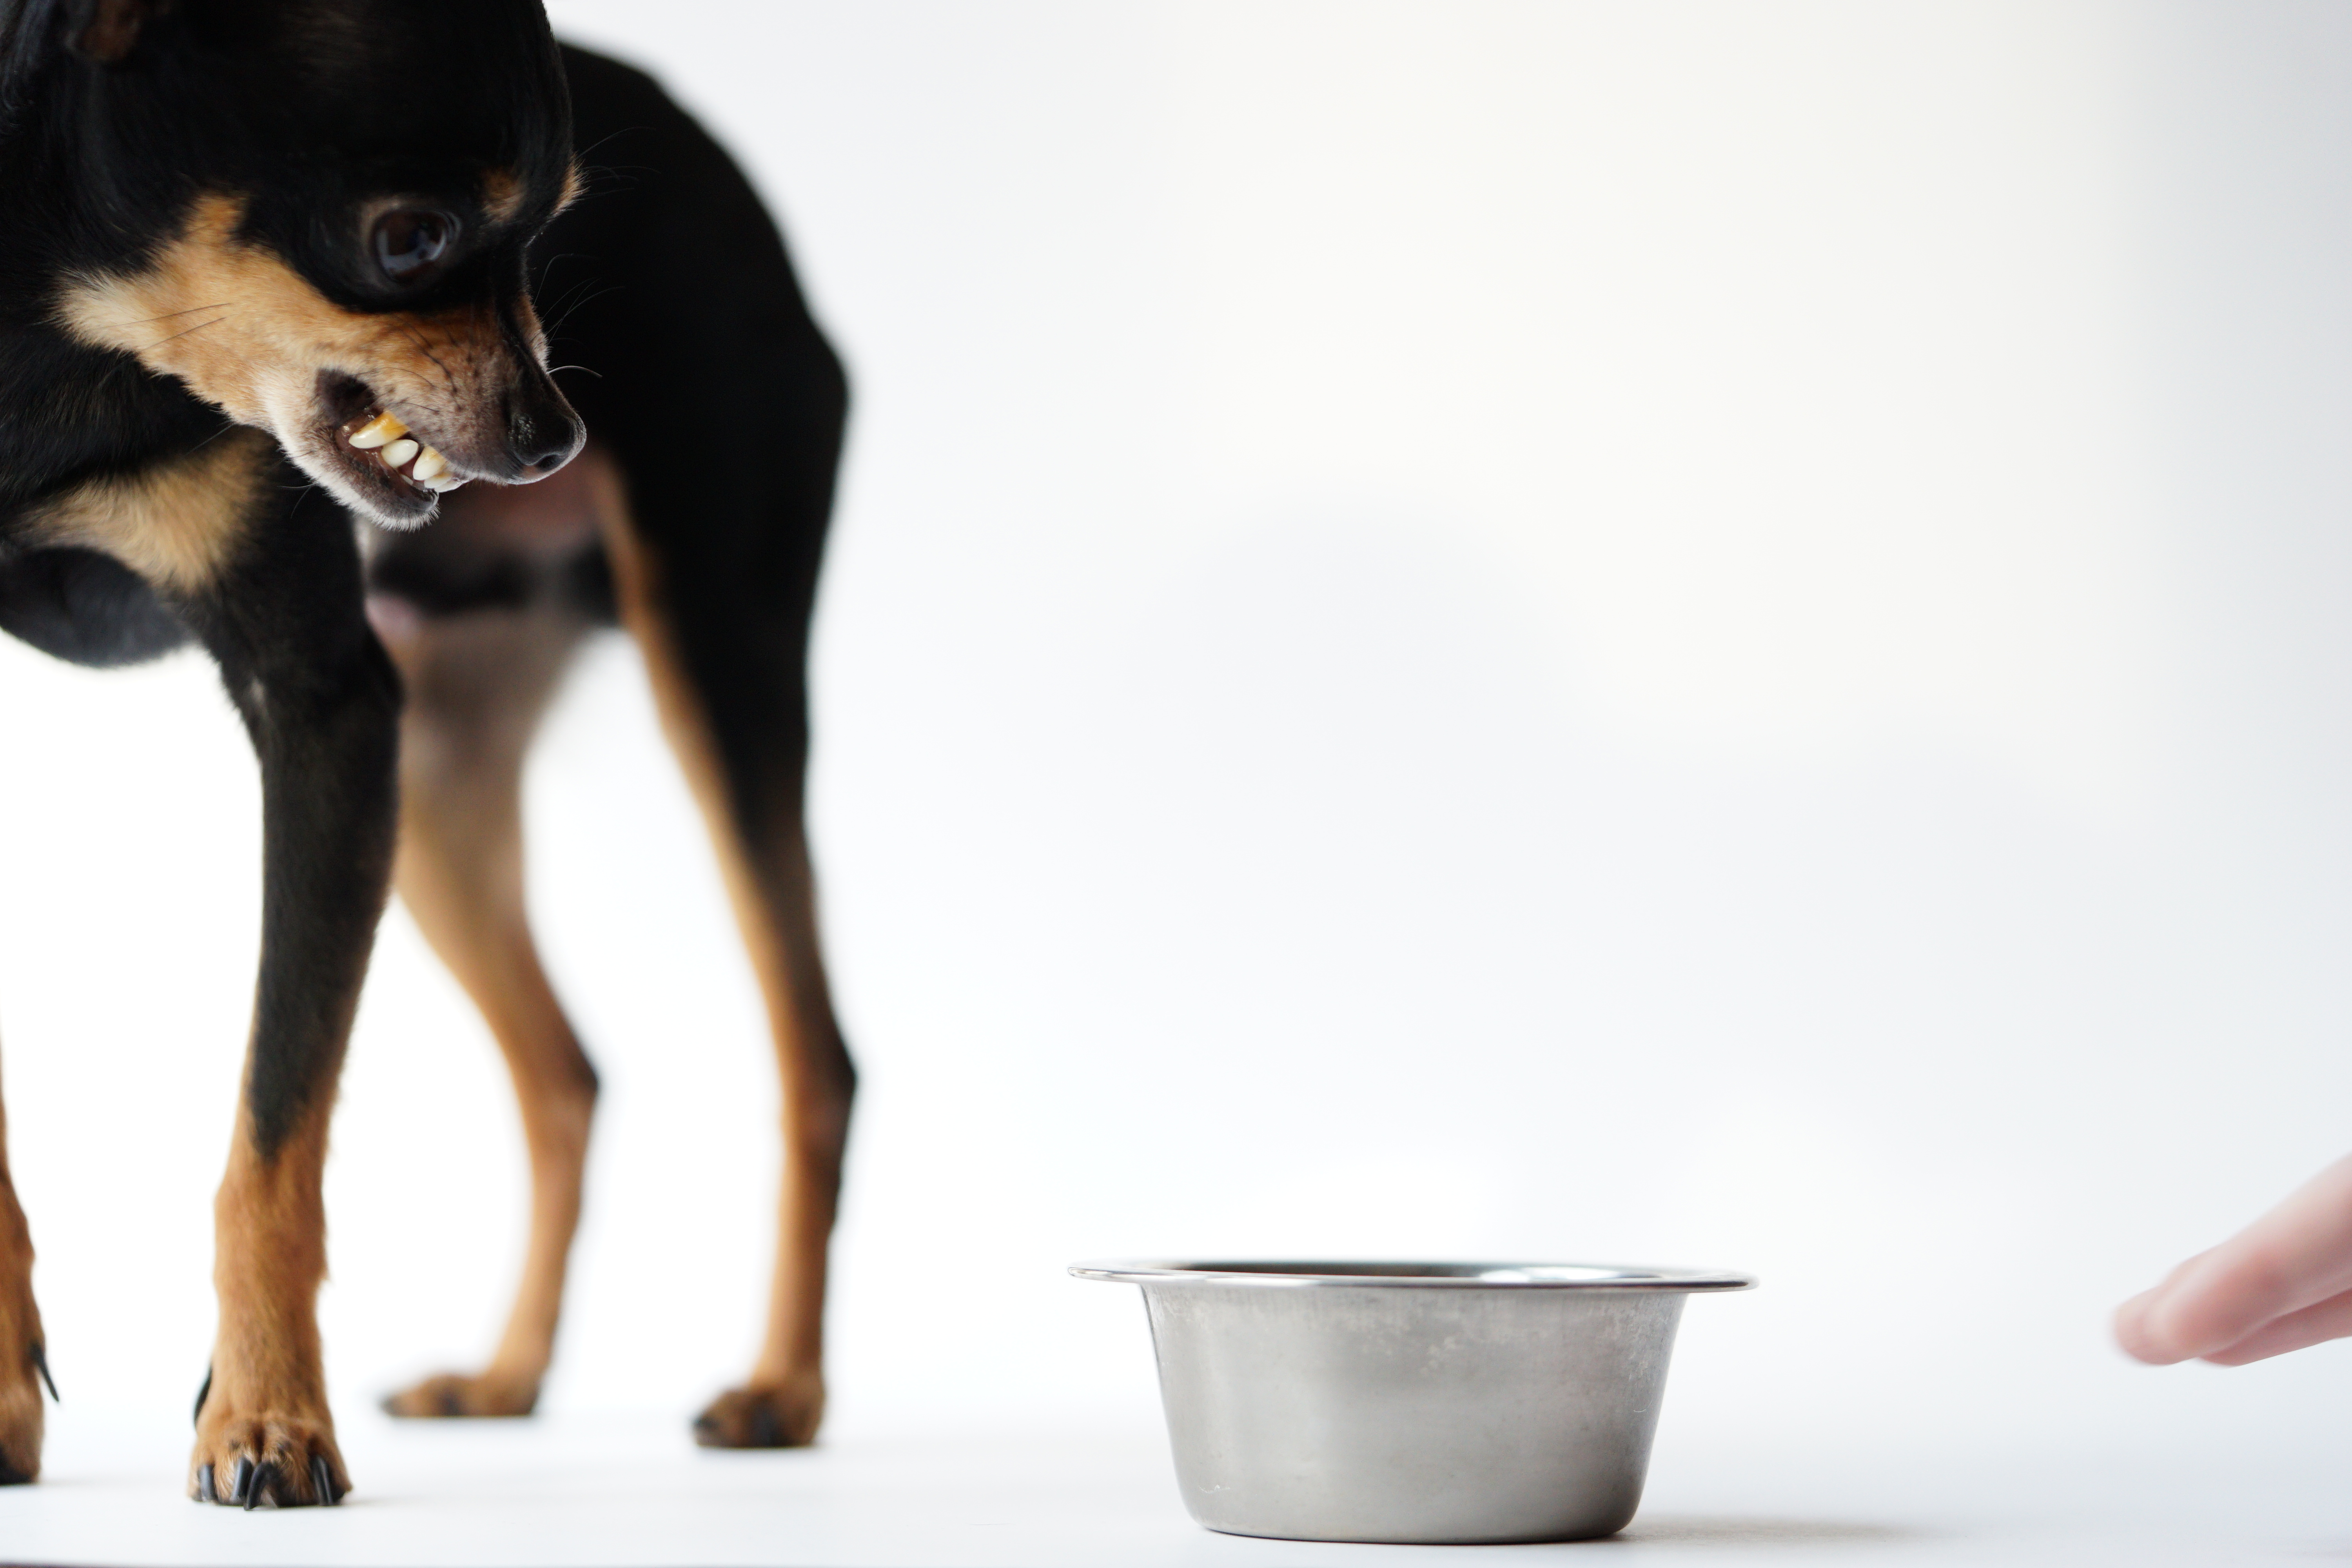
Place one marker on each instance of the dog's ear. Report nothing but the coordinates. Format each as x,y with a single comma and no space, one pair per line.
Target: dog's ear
106,31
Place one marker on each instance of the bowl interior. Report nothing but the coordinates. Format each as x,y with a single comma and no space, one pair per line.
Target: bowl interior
1572,1276
1509,1273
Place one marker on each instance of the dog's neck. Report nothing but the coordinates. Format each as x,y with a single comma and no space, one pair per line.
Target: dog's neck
70,413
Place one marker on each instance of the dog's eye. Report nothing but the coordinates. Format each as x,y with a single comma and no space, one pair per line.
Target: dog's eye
411,242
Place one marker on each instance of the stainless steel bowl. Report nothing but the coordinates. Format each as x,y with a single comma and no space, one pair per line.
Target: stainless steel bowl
1411,1402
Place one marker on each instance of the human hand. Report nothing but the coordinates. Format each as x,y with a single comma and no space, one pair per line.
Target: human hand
2284,1282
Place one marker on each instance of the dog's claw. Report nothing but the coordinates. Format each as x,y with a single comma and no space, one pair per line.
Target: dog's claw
41,1365
267,1483
275,1462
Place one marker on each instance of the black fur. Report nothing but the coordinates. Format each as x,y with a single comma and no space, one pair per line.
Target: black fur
321,702
85,607
745,468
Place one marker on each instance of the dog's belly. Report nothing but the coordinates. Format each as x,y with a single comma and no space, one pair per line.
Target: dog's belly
498,547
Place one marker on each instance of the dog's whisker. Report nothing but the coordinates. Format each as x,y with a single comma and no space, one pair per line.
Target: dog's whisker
564,311
149,320
448,377
185,332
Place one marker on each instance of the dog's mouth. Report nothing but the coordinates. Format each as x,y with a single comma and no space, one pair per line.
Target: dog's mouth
398,453
392,468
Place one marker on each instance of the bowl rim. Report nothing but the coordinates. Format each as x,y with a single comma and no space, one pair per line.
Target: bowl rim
1292,1273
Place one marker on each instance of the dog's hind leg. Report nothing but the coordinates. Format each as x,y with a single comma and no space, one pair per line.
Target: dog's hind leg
723,635
24,1365
718,400
478,683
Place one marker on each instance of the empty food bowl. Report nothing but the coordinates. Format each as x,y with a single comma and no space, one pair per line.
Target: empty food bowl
1411,1402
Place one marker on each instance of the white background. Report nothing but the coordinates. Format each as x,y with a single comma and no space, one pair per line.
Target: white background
1699,633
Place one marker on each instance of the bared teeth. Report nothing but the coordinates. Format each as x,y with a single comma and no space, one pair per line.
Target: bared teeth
377,432
404,455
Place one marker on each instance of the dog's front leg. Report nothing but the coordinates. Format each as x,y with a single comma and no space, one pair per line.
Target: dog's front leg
283,617
21,1356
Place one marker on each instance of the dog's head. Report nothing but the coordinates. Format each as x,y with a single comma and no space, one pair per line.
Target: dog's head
314,214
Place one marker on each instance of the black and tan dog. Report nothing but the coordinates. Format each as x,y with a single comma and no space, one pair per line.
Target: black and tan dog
267,269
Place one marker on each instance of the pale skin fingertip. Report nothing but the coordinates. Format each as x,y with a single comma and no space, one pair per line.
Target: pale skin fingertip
2134,1334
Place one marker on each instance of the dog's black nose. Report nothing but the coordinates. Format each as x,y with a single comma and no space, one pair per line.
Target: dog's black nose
542,433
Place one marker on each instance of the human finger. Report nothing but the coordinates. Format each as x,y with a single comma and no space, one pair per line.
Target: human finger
2133,1330
2295,1256
2320,1322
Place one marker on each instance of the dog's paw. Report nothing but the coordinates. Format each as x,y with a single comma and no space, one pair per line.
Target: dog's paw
20,1419
764,1415
276,1460
454,1394
24,1374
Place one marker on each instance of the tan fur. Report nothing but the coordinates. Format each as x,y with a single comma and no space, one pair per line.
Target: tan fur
775,909
502,195
268,1392
177,525
20,1330
244,332
476,687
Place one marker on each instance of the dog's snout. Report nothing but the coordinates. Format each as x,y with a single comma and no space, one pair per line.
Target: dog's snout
542,432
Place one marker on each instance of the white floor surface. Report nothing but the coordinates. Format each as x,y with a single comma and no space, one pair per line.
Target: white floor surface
608,1490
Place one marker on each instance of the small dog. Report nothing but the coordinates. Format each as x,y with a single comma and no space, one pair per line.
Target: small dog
268,270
